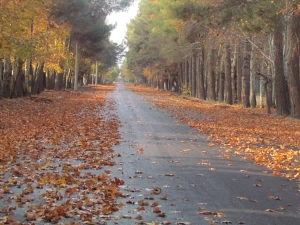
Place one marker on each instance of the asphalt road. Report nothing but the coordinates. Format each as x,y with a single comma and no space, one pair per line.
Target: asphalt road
171,165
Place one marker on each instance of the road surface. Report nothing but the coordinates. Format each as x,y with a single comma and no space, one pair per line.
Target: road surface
172,176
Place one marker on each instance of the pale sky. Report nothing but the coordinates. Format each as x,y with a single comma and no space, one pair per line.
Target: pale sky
122,19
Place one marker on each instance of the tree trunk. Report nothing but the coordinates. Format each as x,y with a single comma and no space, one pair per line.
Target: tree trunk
179,72
281,90
211,92
58,84
38,85
201,75
268,97
253,71
16,84
6,77
222,80
190,74
65,78
234,76
186,72
197,75
239,73
228,87
261,93
50,82
193,85
1,78
96,76
76,68
246,75
293,66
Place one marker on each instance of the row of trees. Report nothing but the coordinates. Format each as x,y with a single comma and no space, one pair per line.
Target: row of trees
55,44
244,52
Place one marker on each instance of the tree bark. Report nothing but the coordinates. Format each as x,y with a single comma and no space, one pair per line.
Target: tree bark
234,76
193,85
281,90
76,67
211,92
253,71
186,72
293,66
6,77
222,80
197,75
202,91
1,78
96,75
228,87
16,83
246,75
38,84
239,73
190,84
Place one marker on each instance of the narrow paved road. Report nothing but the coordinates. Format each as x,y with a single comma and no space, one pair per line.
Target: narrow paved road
171,164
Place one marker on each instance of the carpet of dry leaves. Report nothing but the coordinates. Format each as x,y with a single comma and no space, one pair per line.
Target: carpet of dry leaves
271,141
55,149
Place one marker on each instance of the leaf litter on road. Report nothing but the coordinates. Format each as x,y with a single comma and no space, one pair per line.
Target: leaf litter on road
55,150
270,141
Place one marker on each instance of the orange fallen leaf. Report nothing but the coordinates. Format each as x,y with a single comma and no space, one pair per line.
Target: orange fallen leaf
162,214
156,210
164,197
138,217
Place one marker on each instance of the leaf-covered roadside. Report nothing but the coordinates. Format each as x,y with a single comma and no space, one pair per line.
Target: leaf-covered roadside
54,153
270,141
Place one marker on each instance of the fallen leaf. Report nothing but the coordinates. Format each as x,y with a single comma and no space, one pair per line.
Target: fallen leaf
226,222
154,204
138,217
126,216
185,151
156,210
162,214
273,197
156,190
169,174
269,210
140,150
143,203
164,197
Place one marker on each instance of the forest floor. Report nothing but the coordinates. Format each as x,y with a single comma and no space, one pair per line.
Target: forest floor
269,140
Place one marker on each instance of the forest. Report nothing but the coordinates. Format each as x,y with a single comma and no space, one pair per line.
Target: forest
56,44
234,51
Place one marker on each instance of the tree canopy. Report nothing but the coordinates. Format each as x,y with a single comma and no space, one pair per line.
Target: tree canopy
44,33
175,41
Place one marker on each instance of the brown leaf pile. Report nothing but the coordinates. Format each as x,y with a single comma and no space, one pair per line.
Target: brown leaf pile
53,150
273,142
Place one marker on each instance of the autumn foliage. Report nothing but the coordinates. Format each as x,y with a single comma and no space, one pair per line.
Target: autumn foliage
270,141
54,153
